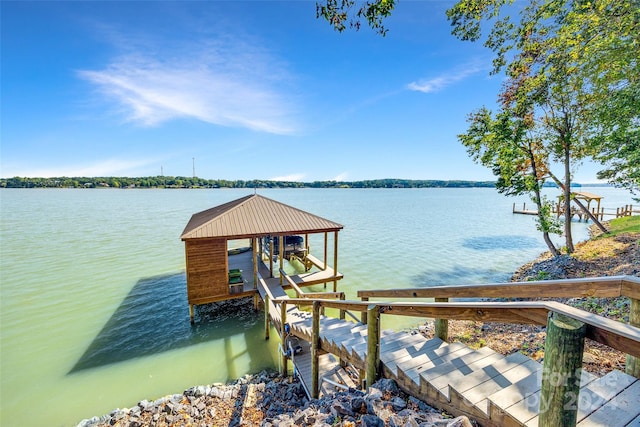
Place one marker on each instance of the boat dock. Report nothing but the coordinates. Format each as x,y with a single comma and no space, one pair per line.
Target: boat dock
600,213
597,211
349,349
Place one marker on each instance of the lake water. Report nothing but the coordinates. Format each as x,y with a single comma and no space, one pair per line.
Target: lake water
93,296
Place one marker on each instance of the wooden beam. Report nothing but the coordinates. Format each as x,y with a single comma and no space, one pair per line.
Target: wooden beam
363,314
271,255
618,335
254,252
632,366
266,316
335,259
281,255
441,325
315,344
602,287
326,250
559,396
631,287
283,336
373,344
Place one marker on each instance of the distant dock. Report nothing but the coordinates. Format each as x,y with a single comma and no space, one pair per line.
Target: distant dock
600,213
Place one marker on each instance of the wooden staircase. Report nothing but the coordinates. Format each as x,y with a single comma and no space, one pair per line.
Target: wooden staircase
492,389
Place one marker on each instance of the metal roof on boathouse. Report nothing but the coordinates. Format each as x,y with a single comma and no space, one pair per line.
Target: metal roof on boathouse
254,215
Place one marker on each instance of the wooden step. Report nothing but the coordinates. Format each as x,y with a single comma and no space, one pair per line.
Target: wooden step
516,406
390,359
337,375
409,369
465,378
358,351
517,368
635,422
456,361
621,410
404,341
597,394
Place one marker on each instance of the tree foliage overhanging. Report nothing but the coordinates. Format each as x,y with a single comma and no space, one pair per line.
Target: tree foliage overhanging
571,92
596,42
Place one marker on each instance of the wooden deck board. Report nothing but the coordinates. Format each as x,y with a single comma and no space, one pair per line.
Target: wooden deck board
459,361
526,409
328,366
461,377
477,395
635,422
409,370
619,411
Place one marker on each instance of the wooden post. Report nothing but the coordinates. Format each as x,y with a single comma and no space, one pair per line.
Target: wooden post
315,341
342,311
281,257
563,349
335,260
266,316
191,314
373,344
271,255
254,254
633,363
283,336
442,325
326,237
363,314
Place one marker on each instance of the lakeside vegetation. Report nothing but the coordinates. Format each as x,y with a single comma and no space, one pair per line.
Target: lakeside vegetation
195,182
191,182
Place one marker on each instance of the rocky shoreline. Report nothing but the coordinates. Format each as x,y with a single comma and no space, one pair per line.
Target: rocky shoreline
269,400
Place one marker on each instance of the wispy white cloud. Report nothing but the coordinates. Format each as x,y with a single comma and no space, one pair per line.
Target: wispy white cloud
341,177
290,177
222,82
445,79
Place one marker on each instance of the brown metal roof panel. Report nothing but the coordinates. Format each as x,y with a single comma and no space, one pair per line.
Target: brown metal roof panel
254,215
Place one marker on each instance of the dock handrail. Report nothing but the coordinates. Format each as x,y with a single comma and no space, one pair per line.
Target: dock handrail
602,287
618,335
301,294
621,336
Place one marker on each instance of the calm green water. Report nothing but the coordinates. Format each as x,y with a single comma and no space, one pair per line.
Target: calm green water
93,301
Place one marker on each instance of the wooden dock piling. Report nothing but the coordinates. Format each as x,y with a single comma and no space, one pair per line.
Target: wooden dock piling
373,344
442,325
283,334
564,347
315,341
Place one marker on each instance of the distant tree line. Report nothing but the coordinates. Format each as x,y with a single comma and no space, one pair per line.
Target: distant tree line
195,182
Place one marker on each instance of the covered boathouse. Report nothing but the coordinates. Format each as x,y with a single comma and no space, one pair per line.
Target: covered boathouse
216,273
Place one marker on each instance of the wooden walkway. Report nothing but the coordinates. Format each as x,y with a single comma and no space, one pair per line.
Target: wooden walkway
493,389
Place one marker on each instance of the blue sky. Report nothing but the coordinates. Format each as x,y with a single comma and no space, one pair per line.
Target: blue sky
243,90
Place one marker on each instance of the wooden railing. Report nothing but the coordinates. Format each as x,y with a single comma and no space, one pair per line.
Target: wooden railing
560,318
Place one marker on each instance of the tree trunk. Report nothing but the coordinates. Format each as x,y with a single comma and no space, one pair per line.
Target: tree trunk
567,202
538,202
545,233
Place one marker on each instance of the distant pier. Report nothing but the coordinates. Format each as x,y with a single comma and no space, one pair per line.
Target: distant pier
600,213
